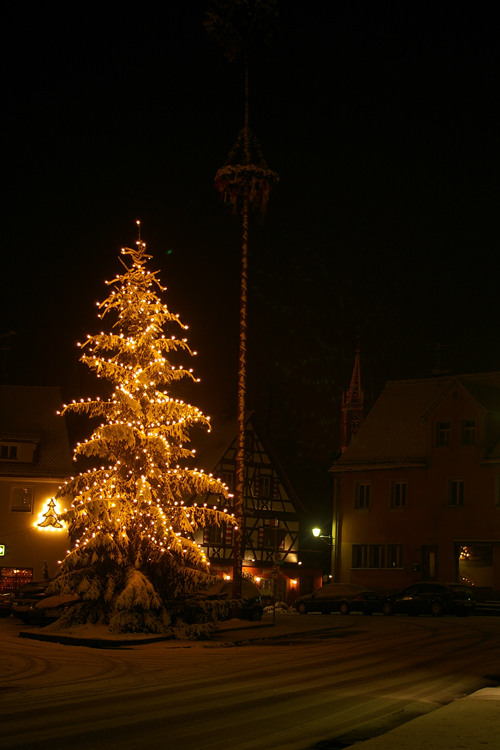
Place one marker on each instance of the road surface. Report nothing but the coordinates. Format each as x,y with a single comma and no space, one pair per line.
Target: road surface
356,679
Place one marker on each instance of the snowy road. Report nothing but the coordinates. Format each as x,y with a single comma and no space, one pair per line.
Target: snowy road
360,677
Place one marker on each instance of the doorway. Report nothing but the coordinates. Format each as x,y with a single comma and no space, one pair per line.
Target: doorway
430,568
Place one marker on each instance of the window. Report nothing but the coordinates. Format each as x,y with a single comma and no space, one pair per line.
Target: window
362,497
359,556
271,535
263,485
475,564
377,555
355,424
497,491
456,491
394,555
218,536
443,433
468,431
398,495
8,452
22,499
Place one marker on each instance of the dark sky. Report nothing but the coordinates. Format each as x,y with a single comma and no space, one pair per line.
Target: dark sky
382,121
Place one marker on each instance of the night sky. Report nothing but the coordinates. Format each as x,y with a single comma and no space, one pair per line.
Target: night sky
382,120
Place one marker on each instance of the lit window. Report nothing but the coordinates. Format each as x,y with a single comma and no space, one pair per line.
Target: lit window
362,496
443,433
456,492
468,432
398,495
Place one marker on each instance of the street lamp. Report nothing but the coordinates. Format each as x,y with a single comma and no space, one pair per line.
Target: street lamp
317,533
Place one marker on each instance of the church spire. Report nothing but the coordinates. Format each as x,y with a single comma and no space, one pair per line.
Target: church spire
354,405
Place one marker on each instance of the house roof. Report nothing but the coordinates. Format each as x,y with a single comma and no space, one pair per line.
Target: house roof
29,414
394,430
212,447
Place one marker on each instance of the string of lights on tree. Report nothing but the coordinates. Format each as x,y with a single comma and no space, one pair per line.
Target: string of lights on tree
132,522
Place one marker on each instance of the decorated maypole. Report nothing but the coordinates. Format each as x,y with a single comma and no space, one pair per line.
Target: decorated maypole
245,180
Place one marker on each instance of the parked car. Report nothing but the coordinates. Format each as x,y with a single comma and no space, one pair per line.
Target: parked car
50,608
252,607
26,596
339,597
429,598
6,603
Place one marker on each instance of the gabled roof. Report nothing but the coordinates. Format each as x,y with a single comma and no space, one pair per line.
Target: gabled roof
29,414
394,430
484,389
212,447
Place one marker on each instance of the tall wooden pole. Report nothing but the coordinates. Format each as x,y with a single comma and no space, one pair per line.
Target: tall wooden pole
248,178
239,500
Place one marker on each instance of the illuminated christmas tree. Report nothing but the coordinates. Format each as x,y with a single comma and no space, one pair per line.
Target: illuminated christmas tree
132,522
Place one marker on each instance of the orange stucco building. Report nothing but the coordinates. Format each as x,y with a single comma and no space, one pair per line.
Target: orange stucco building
35,459
417,490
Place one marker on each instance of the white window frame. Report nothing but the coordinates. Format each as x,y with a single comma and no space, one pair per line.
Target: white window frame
28,488
456,493
362,496
443,434
468,436
398,497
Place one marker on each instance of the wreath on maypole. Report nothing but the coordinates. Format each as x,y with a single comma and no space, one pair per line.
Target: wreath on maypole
249,175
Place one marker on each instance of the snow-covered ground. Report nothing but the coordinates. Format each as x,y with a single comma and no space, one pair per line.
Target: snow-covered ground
331,677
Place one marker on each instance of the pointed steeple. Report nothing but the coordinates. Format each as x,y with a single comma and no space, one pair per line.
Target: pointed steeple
354,405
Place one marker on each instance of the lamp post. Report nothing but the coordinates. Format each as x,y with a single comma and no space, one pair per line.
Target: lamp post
317,533
329,540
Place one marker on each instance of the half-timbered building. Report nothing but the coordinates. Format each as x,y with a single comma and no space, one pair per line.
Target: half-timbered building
272,515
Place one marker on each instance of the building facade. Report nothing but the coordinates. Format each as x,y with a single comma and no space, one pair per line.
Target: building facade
35,459
417,491
272,517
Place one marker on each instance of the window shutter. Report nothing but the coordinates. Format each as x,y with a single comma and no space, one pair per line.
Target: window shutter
275,488
229,535
256,484
261,536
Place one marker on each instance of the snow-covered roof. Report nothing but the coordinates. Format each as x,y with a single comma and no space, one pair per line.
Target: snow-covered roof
394,430
29,414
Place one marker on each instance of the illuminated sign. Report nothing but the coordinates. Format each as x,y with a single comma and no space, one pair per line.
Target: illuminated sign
49,519
2,550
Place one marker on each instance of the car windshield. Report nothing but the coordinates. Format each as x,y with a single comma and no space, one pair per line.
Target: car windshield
460,590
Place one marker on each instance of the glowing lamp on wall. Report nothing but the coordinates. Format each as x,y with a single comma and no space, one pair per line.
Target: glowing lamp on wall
48,520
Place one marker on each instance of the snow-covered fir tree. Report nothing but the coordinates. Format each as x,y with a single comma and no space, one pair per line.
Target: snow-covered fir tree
132,523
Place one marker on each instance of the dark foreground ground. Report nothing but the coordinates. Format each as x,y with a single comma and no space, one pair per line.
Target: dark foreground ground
306,682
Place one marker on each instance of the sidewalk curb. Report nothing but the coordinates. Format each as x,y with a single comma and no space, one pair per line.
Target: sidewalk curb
72,640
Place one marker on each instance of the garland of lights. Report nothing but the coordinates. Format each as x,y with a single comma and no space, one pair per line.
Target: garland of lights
132,523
